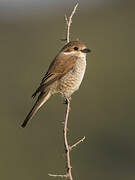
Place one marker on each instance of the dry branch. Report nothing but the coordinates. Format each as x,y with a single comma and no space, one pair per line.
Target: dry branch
68,148
69,22
77,143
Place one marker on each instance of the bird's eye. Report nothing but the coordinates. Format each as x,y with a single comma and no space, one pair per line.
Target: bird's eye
75,48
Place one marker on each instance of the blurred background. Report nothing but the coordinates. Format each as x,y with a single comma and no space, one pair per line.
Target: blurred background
103,109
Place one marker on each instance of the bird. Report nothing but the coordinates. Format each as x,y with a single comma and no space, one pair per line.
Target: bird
63,77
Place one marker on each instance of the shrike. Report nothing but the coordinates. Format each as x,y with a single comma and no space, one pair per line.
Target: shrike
64,75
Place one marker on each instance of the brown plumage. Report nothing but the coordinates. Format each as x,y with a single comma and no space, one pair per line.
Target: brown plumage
63,77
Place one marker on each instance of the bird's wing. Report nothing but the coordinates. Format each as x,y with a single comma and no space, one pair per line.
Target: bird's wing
61,65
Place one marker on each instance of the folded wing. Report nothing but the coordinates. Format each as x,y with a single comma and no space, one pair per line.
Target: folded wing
61,65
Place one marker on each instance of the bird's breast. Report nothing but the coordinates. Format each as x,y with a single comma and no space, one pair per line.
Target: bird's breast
72,80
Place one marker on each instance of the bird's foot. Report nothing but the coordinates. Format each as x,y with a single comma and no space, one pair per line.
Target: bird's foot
66,100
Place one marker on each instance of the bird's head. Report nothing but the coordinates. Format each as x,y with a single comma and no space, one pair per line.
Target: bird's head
75,48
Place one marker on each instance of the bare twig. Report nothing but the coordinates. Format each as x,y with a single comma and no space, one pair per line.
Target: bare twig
78,142
66,19
69,22
68,148
58,175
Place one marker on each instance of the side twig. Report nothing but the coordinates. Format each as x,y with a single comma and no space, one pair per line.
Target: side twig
77,143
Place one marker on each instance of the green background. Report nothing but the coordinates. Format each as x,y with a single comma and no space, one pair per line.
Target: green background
103,109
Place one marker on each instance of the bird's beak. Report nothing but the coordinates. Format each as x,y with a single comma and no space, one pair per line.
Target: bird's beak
86,50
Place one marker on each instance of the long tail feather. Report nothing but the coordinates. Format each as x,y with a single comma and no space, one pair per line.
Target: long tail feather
40,101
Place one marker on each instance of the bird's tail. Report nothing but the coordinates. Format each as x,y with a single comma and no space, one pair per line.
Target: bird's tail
43,97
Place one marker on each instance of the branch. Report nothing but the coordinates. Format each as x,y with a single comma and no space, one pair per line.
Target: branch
78,142
68,148
69,22
57,175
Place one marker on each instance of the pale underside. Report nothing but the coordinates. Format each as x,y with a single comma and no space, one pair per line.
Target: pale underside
70,82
